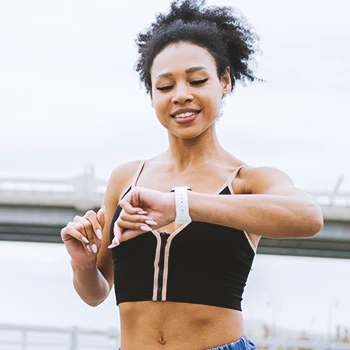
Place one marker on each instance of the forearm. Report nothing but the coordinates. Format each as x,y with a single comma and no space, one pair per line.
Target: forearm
89,283
273,216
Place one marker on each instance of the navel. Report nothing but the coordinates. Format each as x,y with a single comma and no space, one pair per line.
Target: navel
161,340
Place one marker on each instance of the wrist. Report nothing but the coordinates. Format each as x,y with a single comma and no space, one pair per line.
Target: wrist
190,205
172,209
84,266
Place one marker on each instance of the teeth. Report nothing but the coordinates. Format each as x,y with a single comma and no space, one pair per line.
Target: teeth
184,115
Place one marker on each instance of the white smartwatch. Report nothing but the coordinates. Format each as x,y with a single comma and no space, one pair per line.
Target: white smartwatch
181,203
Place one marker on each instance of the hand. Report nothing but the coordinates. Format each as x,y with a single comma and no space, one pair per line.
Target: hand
158,209
83,236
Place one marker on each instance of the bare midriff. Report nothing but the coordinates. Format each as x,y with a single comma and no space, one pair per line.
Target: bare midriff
150,325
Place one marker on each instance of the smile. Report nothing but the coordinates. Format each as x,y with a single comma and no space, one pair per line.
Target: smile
185,115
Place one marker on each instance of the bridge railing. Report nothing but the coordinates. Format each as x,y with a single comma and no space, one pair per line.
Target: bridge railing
82,192
330,199
24,337
86,191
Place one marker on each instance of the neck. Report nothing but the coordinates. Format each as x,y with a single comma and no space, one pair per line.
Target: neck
185,153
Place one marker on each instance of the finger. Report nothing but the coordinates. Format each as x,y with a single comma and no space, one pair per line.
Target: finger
89,231
129,225
71,231
88,248
91,216
136,218
117,236
129,208
101,217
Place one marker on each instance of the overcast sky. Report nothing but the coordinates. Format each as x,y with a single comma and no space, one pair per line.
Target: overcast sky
69,96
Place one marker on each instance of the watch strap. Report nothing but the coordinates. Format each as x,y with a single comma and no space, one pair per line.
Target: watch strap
181,203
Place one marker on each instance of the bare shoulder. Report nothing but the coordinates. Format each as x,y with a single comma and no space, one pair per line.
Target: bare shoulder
124,171
268,180
120,179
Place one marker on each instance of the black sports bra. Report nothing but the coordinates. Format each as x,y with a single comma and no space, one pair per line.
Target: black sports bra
199,263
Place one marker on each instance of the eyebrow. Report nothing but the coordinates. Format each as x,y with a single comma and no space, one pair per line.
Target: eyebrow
187,71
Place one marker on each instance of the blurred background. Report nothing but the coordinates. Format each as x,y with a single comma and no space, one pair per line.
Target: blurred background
72,109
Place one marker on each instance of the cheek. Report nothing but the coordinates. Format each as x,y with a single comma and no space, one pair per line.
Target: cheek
159,103
213,103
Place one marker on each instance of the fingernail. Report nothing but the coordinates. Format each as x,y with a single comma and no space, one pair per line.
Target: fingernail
115,243
94,248
145,228
150,222
99,234
142,212
88,248
84,239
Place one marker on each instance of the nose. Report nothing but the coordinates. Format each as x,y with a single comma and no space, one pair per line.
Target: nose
182,94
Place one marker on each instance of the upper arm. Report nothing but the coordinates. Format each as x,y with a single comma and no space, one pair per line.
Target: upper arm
120,178
269,180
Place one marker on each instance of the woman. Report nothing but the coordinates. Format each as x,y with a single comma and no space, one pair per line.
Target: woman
180,259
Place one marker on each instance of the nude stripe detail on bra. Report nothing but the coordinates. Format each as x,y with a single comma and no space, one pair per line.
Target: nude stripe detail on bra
166,260
250,242
156,265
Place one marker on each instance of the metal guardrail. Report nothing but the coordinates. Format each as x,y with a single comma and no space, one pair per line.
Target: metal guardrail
24,337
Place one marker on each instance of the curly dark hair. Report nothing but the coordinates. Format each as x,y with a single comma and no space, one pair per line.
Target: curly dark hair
223,31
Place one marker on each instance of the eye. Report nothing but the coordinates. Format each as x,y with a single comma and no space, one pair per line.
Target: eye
164,88
199,82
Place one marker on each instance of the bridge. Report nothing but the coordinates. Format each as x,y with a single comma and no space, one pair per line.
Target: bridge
35,210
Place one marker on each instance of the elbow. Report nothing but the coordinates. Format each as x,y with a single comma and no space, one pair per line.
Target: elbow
314,221
92,300
95,302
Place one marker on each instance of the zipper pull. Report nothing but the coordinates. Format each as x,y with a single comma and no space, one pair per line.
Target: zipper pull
164,236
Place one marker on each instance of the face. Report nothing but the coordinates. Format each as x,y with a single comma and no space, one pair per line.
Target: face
186,91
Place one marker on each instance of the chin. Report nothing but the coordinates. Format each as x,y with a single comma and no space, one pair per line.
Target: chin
188,135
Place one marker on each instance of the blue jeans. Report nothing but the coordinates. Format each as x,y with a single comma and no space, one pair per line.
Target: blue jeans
242,343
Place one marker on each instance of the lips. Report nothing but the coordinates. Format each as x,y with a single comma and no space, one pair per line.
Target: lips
186,118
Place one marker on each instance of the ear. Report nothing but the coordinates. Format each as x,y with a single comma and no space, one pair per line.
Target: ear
226,82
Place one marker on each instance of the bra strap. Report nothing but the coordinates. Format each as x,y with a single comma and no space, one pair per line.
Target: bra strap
234,174
138,172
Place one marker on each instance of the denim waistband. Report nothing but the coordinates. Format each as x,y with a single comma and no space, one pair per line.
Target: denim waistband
242,343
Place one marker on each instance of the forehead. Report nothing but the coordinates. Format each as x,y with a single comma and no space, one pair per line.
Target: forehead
179,57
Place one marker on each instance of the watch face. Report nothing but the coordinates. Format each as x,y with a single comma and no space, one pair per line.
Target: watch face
187,188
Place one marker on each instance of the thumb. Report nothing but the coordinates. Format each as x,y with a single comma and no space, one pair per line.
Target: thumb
101,216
